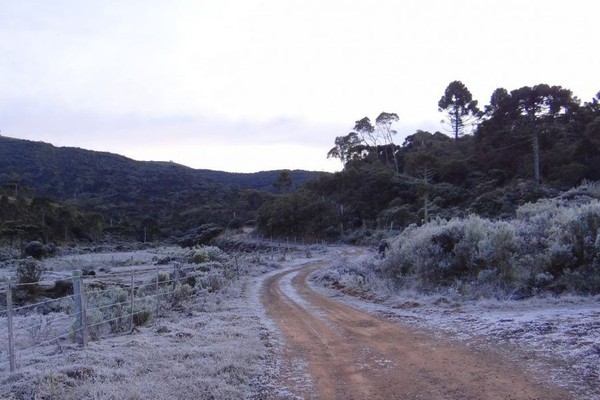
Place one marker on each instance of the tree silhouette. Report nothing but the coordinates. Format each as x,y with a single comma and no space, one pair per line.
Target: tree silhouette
460,108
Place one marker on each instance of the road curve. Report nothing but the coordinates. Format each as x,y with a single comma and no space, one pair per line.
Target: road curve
351,354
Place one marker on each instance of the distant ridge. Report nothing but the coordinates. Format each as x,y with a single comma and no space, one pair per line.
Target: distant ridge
129,191
63,171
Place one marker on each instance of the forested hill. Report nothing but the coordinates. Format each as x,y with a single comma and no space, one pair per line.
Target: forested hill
526,144
66,171
126,192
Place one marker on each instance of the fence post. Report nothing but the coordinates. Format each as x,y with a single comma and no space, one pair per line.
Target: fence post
176,276
157,292
80,309
131,302
11,342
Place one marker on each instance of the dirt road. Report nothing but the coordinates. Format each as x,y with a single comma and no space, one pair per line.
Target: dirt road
350,354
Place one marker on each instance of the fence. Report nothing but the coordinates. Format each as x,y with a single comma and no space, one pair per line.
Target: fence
94,309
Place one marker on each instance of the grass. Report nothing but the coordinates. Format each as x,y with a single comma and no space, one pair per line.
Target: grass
211,347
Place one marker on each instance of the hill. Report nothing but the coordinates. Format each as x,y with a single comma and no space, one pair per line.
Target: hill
169,197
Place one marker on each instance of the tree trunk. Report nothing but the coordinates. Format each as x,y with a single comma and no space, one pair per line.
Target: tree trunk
536,157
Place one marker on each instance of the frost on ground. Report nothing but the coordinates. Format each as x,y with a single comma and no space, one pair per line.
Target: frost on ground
556,338
216,345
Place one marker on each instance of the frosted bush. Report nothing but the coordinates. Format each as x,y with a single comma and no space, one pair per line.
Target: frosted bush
110,306
550,239
487,276
213,282
360,275
496,248
207,254
181,293
445,251
543,279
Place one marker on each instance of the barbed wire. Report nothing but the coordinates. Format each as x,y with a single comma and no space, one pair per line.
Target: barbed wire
15,309
48,341
109,305
109,320
68,316
154,289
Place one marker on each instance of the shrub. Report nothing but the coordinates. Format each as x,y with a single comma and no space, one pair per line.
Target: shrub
206,254
181,292
552,245
109,306
36,250
142,316
29,274
213,282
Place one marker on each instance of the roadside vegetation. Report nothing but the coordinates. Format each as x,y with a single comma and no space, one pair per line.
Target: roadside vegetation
526,144
550,247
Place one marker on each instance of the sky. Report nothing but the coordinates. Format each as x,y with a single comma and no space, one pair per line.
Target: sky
249,85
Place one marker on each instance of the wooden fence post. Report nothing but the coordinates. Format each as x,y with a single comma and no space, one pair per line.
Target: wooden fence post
80,309
11,342
157,292
132,290
176,276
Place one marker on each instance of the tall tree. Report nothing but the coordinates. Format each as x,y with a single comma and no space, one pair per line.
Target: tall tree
531,112
422,163
383,125
540,106
347,148
283,182
368,141
460,108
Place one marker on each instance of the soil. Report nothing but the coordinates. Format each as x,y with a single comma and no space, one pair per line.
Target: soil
351,354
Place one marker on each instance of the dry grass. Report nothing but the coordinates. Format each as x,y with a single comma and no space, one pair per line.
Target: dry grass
214,346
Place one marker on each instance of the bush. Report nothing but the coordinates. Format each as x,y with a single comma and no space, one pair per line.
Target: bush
207,254
29,274
109,306
203,235
213,282
141,316
36,250
552,245
181,293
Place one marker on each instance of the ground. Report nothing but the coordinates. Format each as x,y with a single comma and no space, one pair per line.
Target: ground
276,334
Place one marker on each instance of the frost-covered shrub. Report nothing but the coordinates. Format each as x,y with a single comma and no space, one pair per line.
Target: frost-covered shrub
552,245
213,282
356,276
107,308
181,293
496,249
38,250
564,235
29,274
207,254
442,252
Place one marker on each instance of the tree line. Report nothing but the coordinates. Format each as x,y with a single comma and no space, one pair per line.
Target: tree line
525,144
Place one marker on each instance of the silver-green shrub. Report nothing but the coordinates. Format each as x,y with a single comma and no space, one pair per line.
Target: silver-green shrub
553,245
442,252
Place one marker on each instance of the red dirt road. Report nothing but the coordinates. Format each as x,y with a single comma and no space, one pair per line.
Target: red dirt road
351,354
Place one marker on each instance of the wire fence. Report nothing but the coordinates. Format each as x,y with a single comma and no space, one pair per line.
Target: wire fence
95,309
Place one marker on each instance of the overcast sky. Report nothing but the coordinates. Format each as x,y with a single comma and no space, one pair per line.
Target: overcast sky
244,85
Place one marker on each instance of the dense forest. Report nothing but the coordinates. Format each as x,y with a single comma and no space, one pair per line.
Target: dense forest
54,194
526,144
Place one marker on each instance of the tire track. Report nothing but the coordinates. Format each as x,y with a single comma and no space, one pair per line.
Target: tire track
354,355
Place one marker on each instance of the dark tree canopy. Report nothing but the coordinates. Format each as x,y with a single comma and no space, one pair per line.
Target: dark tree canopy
283,182
460,108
